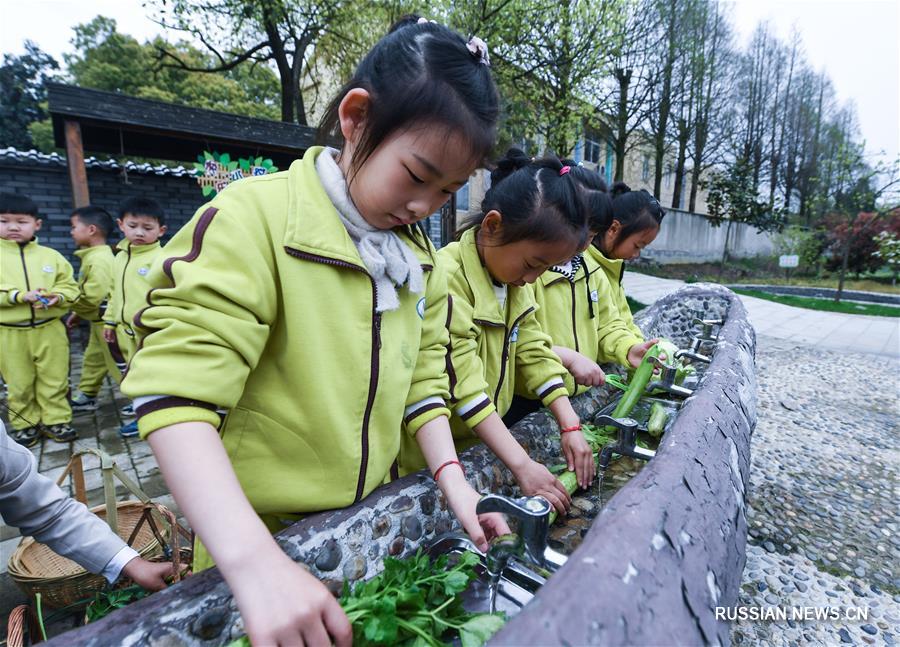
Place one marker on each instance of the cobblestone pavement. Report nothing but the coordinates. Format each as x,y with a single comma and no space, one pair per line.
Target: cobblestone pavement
823,512
96,430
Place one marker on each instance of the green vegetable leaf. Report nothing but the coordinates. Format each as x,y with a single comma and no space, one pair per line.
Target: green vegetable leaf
478,630
455,582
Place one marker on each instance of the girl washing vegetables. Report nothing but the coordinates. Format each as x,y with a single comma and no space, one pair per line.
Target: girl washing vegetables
633,224
309,305
532,218
579,308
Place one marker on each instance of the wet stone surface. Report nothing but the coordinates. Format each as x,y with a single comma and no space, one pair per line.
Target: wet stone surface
823,516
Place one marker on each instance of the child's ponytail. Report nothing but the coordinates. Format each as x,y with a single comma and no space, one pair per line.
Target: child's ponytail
421,73
538,200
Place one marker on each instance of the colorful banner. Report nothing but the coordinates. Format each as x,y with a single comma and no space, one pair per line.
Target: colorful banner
215,171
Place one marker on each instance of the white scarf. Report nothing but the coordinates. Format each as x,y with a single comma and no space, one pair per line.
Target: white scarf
390,261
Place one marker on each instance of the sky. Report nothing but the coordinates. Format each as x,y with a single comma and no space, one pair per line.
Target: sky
857,42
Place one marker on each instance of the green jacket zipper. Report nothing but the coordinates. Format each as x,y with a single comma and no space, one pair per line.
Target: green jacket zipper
506,351
27,283
374,365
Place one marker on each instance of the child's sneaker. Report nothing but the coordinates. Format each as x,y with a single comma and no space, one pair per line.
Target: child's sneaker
129,430
127,411
27,437
61,433
84,402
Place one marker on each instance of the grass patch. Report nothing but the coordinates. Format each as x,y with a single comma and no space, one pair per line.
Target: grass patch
828,305
759,271
635,305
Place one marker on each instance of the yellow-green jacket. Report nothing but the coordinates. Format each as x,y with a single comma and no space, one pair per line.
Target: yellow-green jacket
492,349
29,266
264,307
94,282
131,281
583,316
615,270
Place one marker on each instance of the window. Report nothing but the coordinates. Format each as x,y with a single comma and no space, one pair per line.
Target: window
591,151
645,170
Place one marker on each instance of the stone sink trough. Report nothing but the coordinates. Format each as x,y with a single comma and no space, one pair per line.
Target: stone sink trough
649,566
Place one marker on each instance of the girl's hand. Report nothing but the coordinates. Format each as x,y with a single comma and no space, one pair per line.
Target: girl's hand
536,480
150,575
586,371
283,604
109,335
72,320
636,353
462,499
579,457
32,296
52,300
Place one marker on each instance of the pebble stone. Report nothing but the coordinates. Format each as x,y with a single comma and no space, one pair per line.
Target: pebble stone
819,525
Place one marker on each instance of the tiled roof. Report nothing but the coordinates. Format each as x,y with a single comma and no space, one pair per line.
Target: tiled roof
34,158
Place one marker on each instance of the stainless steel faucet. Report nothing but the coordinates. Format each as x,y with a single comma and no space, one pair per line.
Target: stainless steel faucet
666,381
626,442
533,515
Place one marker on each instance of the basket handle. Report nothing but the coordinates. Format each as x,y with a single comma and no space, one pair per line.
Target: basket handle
21,618
109,469
176,530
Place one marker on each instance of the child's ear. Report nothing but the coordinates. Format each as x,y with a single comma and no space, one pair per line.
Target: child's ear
352,113
37,223
162,230
492,224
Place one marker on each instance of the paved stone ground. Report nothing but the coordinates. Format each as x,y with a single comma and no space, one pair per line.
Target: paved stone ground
831,330
823,510
96,430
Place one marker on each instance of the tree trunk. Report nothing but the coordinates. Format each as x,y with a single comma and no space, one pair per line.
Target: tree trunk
665,101
621,140
683,135
725,248
845,261
285,73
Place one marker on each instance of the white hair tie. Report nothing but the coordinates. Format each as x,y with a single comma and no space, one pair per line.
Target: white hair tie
479,49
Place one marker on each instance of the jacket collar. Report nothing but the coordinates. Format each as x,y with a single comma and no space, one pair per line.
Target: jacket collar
487,307
85,252
613,267
11,244
313,224
125,245
549,277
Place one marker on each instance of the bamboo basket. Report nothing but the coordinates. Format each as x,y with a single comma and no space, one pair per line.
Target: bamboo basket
61,582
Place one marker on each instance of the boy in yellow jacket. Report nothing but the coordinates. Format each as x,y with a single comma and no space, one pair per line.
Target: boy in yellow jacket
143,222
36,286
90,227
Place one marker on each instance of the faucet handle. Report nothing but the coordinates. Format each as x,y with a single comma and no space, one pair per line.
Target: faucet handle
667,371
533,514
526,507
706,326
625,424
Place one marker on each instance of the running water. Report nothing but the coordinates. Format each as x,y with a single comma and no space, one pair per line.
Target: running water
600,473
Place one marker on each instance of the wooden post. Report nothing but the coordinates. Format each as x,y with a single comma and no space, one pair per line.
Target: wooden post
75,161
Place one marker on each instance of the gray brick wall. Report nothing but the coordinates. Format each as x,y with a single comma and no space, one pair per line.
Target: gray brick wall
48,186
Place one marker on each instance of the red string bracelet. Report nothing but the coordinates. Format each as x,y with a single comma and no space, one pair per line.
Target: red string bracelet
565,430
437,472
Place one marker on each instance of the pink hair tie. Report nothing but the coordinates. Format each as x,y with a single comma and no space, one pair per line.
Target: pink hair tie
564,170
